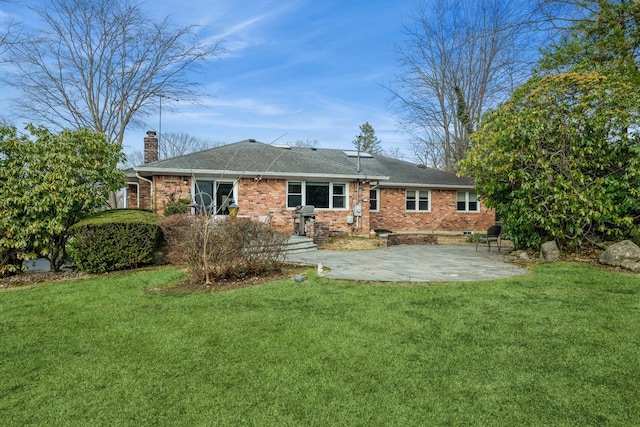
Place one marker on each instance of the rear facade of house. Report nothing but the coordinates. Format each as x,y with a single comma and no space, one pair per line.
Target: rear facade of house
351,192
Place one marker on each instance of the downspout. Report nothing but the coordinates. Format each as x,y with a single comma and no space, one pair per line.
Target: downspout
358,202
150,190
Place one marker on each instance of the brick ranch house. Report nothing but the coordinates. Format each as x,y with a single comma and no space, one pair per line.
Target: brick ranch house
352,192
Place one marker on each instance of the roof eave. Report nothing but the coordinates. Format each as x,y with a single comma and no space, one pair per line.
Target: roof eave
426,185
250,174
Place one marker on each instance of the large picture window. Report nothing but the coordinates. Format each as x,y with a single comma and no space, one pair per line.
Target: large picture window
417,200
468,201
322,195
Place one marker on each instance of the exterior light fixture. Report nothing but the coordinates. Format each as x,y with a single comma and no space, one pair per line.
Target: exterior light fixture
233,209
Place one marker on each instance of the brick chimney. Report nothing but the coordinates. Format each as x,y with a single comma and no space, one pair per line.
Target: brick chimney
150,147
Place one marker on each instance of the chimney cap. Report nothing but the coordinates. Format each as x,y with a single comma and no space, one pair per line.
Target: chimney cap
151,133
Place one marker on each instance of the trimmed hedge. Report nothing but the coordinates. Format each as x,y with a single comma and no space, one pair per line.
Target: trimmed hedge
116,239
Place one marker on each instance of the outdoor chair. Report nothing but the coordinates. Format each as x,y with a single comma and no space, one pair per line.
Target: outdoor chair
493,235
265,219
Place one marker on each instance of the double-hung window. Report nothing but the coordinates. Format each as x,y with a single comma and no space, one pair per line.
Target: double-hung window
418,200
294,194
374,200
322,195
468,201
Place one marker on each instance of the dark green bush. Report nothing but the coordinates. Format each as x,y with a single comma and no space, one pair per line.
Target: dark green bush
114,240
176,207
9,262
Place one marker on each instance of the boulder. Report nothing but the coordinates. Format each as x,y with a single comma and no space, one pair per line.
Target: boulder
624,253
631,265
549,252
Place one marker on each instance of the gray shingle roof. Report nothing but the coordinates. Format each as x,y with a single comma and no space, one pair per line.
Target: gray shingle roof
250,158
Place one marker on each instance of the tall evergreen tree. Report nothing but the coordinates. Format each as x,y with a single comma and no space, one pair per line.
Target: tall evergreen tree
367,140
606,39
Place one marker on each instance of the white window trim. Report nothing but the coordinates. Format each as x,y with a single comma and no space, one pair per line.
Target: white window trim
331,195
466,202
216,182
417,209
377,190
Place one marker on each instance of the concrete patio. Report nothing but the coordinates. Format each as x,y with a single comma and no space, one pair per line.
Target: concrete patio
412,263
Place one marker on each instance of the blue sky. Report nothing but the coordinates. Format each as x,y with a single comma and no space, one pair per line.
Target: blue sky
294,70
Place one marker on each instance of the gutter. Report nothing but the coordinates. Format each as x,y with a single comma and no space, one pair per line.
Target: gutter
423,185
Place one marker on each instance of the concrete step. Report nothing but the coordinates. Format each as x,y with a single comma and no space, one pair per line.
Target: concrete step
298,244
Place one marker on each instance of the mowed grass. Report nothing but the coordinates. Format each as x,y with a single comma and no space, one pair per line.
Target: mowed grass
560,346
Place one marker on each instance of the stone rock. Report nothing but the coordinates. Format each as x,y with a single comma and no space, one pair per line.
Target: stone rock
631,265
524,256
622,252
549,252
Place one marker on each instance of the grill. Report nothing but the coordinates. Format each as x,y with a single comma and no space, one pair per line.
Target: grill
301,215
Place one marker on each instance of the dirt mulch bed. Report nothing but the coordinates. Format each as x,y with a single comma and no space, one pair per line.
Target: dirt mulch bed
26,280
34,279
287,272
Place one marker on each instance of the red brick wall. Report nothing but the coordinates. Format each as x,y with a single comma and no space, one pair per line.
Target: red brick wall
268,197
145,194
442,217
167,187
265,197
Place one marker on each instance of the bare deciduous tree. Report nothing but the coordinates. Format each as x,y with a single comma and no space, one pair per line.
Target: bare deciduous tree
101,64
9,30
461,57
172,144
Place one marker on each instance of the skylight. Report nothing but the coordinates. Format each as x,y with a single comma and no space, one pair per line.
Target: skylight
353,153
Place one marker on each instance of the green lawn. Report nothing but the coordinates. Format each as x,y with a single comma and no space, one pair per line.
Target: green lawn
558,347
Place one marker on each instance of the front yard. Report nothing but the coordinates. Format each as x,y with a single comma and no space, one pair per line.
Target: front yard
557,347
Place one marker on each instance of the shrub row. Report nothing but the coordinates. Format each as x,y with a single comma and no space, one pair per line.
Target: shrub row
114,240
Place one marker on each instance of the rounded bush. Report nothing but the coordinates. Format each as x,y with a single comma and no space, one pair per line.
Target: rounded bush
116,239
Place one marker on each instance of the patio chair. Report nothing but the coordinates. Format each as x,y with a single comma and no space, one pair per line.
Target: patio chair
265,219
493,235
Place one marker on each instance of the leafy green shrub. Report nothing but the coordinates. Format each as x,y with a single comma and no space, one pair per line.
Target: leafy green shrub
114,240
9,262
176,207
561,161
215,250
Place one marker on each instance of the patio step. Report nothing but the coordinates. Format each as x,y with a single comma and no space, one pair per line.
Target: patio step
299,244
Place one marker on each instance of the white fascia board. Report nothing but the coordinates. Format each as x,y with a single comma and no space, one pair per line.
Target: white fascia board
425,185
251,174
